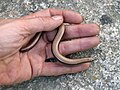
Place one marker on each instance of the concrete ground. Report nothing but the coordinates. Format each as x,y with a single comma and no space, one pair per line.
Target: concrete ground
104,73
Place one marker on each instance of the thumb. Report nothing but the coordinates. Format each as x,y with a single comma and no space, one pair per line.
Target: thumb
39,24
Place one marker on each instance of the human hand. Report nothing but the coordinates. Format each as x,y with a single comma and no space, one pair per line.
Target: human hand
16,67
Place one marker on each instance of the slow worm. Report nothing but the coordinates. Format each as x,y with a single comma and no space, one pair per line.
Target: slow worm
55,48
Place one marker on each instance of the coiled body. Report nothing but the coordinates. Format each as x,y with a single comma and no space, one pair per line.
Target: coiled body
55,48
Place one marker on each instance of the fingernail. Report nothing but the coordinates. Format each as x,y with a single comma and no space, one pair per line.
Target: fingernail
57,17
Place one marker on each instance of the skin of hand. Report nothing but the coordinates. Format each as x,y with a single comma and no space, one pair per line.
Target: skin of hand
16,67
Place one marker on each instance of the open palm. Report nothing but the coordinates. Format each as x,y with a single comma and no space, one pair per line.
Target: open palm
16,66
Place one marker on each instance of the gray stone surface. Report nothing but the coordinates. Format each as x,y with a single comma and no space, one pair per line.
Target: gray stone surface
104,73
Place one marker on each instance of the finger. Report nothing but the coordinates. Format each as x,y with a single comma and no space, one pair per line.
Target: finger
43,13
80,45
81,30
76,31
55,69
69,16
39,24
76,45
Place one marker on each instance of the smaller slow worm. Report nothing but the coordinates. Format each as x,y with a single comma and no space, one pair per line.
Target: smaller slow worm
55,48
31,43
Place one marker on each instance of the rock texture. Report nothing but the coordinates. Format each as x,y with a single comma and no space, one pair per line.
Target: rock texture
104,73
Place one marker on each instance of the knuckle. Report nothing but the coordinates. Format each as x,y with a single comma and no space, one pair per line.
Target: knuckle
41,22
21,24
